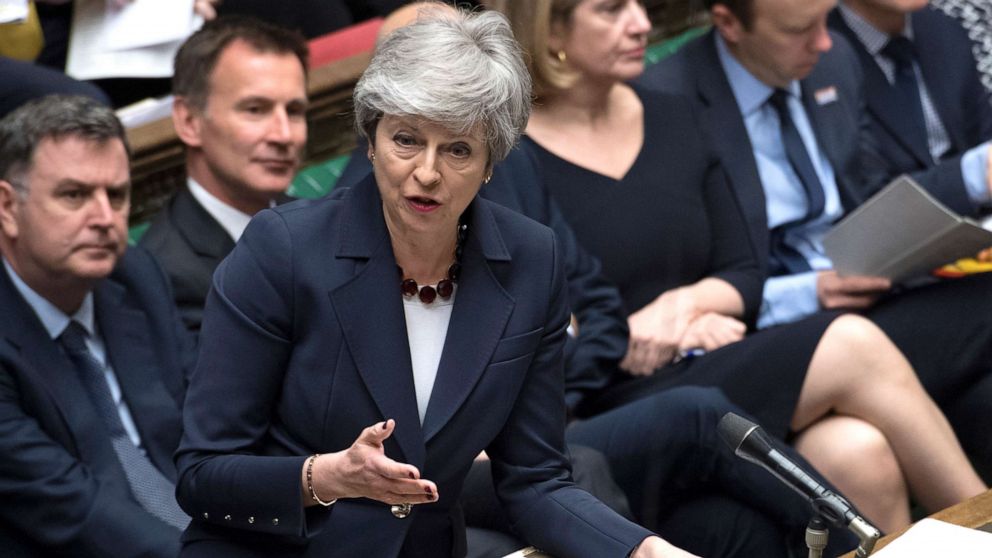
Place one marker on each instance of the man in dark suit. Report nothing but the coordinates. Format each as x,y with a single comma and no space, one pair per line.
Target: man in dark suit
92,354
240,108
782,101
927,105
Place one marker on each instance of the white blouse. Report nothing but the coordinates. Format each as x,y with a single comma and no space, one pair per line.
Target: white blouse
426,330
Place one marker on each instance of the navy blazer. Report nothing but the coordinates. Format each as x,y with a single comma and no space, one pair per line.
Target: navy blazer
592,357
64,491
189,244
962,102
304,344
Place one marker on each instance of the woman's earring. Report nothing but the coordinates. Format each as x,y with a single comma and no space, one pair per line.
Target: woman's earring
561,56
487,179
372,158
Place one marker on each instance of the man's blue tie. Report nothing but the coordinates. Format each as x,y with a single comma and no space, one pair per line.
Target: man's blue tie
784,258
153,491
906,89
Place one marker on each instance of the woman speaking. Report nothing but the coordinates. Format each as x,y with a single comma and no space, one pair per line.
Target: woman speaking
359,351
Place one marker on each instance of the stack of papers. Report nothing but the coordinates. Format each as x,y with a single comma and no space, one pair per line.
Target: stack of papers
931,537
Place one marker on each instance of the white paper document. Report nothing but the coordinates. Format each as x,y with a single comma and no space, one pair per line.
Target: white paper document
902,232
13,11
930,538
147,22
138,40
145,111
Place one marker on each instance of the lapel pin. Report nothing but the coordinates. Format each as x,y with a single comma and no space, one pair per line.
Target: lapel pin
825,95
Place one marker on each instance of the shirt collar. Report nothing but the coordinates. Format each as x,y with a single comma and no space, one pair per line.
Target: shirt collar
232,220
870,36
751,93
54,320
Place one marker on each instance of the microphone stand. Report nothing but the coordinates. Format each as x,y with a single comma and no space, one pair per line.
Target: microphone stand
817,535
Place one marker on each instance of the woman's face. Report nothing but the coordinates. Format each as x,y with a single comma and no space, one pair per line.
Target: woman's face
604,39
427,175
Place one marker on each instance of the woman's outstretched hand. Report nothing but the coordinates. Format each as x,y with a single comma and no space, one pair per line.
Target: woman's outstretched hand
364,471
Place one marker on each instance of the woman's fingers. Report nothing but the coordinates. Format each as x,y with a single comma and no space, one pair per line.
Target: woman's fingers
205,9
374,475
376,434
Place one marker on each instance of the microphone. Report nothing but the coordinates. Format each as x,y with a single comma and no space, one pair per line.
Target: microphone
750,442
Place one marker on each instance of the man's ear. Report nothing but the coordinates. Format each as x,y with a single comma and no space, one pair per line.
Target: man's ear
187,120
9,206
728,25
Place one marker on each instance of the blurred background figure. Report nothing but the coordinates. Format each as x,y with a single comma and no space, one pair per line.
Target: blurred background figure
240,109
629,168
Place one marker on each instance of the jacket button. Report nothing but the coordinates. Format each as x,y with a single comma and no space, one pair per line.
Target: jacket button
251,520
227,518
275,521
206,515
401,510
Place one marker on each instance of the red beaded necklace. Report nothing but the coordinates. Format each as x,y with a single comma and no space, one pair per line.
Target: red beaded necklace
446,287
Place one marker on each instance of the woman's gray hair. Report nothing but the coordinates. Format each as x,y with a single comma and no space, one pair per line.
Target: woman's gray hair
457,70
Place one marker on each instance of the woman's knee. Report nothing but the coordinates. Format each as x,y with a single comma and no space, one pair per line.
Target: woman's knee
854,345
853,454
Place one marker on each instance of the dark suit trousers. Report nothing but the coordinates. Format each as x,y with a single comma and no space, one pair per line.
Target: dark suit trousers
945,330
681,481
684,483
489,533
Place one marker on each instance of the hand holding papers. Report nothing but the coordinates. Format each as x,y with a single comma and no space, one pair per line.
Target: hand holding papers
139,39
900,233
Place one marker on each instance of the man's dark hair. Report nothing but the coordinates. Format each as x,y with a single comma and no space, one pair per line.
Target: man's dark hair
54,117
198,56
742,9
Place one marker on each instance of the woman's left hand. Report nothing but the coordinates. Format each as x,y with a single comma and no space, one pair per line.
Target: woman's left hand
364,471
656,547
711,331
656,331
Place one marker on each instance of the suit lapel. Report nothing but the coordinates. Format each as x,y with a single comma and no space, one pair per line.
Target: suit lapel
370,311
934,59
52,370
201,231
830,134
125,333
722,119
478,320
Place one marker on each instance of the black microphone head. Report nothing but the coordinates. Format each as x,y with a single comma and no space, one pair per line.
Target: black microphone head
734,428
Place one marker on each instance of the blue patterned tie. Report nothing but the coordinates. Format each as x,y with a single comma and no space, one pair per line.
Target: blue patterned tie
153,491
785,259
